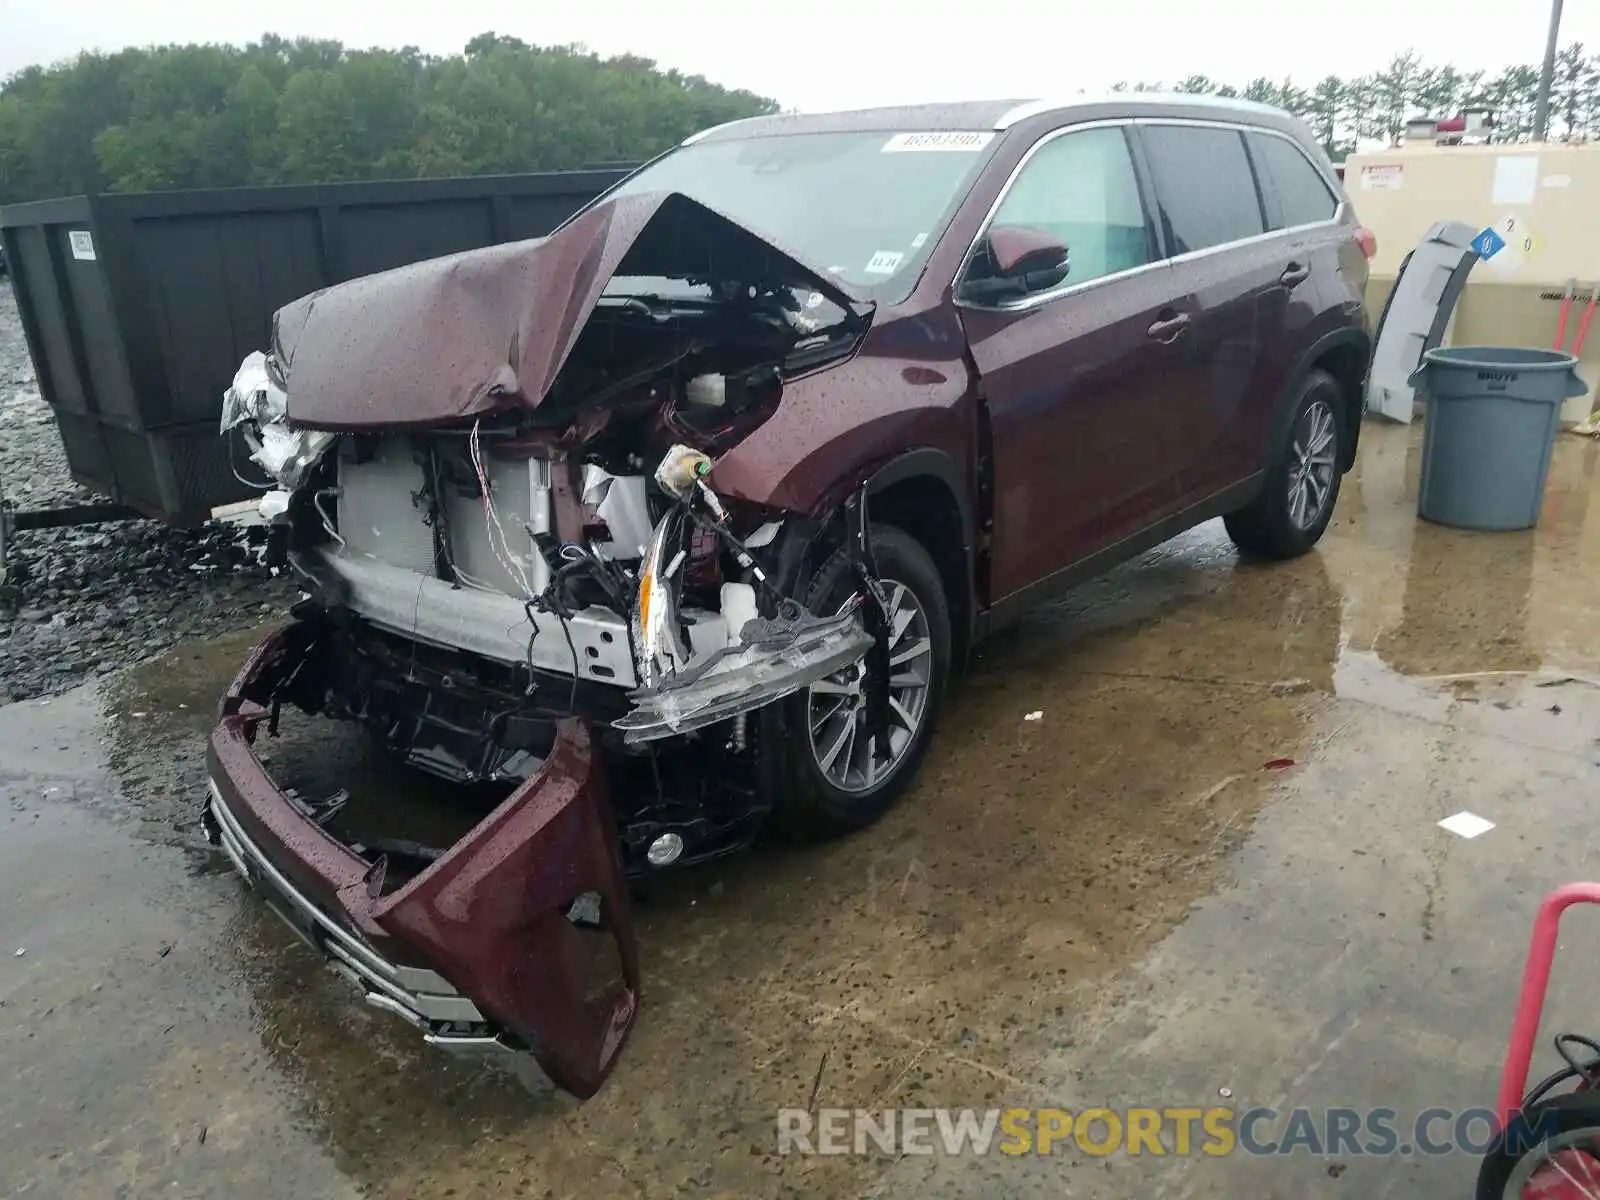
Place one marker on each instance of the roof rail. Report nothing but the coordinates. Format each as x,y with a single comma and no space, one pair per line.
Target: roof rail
1034,108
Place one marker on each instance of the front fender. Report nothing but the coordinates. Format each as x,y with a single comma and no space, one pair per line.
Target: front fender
908,385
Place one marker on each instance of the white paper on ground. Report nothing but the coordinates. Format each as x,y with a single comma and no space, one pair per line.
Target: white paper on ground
1466,825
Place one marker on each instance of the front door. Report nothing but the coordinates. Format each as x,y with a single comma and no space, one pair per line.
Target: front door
1075,373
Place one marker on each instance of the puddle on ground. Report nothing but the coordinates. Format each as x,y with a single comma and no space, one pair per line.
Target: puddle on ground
987,943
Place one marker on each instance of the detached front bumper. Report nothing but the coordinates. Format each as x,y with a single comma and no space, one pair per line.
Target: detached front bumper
423,997
477,951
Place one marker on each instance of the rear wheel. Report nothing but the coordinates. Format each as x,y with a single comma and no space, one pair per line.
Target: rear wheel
832,777
1302,484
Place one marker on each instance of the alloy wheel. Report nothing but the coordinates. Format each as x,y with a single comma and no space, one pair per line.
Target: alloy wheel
846,754
1312,451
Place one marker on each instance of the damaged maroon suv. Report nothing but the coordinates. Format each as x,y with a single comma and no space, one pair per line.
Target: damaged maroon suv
672,527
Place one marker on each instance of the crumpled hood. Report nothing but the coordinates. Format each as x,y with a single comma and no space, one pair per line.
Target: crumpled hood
454,337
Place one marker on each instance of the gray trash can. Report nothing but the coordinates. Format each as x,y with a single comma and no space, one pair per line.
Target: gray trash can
1492,418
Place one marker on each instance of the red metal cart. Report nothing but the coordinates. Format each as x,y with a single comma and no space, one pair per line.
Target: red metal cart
1548,1144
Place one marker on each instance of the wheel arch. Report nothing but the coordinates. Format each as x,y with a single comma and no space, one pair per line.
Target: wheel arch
1344,354
922,492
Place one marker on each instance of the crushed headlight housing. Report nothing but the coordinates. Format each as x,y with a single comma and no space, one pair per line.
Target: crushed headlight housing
257,402
658,648
774,658
771,658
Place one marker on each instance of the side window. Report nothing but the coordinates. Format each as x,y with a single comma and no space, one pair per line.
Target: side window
1080,189
1204,183
1303,195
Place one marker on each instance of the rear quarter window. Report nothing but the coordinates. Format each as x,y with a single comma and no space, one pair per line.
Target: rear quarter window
1204,184
1302,195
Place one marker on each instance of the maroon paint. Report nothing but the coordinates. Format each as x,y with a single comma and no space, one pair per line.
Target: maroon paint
1016,249
1238,365
1101,425
908,385
490,915
454,337
1078,391
1099,430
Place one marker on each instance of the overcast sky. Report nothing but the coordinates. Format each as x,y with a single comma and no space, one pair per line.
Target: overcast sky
821,54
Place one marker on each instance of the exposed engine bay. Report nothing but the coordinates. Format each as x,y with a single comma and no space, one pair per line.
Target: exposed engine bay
513,560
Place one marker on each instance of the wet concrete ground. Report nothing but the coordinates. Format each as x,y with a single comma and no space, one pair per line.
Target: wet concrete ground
1116,904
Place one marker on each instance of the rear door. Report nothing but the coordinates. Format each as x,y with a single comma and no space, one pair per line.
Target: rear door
1075,374
1304,210
1236,279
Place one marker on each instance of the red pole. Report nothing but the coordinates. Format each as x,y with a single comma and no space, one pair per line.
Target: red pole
1583,325
1561,321
1530,1004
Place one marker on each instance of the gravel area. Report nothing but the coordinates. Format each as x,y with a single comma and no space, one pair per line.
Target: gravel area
87,600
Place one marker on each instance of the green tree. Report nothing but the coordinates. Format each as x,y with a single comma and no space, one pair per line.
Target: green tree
1296,99
1327,110
301,110
1262,90
1394,91
1513,94
320,130
1576,81
1440,91
285,110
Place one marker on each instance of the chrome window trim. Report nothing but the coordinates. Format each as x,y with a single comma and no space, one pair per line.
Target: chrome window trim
1332,184
1341,201
1067,289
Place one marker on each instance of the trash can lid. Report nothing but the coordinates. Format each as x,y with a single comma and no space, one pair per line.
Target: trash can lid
1501,358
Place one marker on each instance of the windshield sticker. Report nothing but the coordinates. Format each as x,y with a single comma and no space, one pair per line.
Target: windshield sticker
961,141
917,242
884,262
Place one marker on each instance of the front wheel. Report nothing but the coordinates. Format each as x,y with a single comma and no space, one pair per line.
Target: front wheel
829,773
1302,484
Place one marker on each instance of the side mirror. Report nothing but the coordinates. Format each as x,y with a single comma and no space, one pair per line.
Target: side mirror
1023,259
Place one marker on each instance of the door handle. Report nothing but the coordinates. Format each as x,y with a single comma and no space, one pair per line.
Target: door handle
1294,274
1169,329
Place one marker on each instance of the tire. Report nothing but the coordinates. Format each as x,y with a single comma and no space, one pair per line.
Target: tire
1271,526
1553,1119
808,803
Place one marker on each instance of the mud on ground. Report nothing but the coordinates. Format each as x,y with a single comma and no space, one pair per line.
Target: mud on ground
1118,903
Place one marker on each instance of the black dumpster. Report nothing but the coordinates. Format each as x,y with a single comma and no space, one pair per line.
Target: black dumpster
138,307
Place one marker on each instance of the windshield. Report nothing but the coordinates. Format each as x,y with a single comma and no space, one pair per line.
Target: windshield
864,207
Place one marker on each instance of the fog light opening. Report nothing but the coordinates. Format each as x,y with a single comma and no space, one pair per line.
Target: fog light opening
665,850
